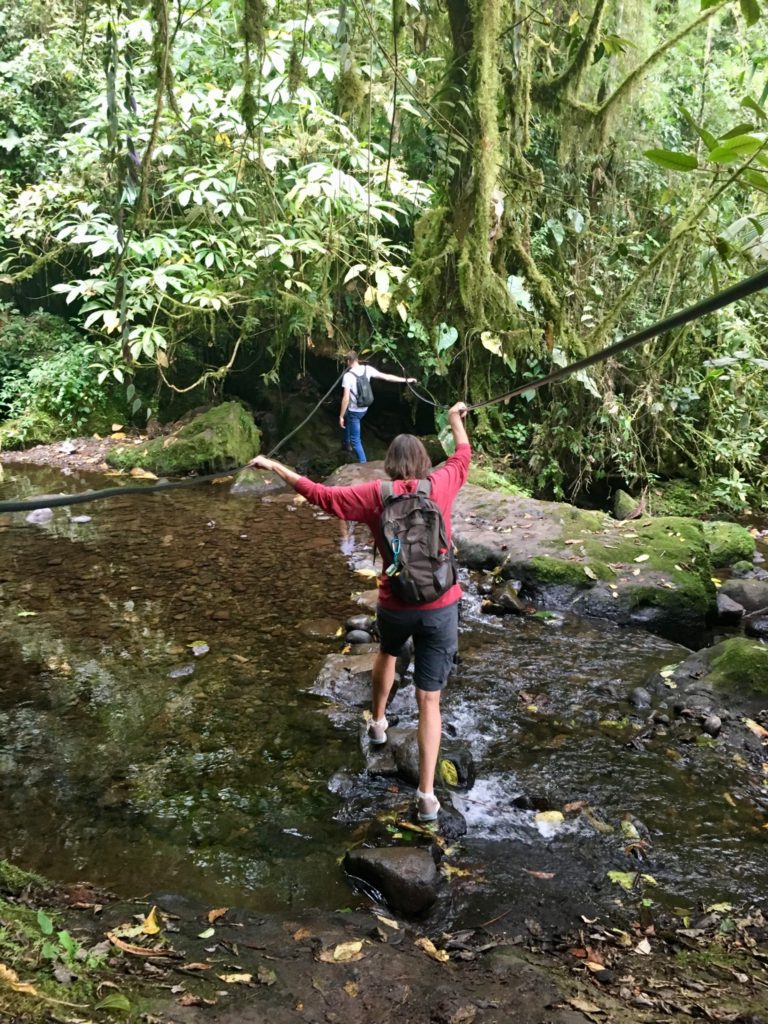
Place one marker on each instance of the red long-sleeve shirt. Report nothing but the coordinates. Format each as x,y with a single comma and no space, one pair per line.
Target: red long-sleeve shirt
362,503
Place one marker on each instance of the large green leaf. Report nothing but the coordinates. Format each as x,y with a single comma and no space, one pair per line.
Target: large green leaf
672,160
751,11
706,137
733,149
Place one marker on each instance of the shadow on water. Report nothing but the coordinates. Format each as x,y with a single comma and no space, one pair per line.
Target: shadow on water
128,758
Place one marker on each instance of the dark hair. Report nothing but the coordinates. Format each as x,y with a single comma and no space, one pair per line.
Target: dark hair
351,356
407,459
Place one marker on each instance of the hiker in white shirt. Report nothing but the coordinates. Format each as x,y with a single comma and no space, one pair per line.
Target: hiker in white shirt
356,396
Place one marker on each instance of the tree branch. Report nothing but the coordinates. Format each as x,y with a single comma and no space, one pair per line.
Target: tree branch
569,80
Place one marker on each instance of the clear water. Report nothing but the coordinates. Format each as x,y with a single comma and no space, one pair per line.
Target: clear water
127,760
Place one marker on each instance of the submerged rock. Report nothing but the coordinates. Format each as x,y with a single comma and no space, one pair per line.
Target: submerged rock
256,482
346,678
216,439
406,878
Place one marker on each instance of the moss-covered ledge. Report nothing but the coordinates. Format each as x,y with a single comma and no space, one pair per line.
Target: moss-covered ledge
728,543
220,438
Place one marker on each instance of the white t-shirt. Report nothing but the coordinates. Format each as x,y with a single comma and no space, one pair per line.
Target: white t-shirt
348,382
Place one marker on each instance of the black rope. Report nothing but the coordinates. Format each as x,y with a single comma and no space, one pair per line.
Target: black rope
742,290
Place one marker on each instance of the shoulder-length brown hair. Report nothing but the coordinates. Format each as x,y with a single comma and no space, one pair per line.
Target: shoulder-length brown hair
407,459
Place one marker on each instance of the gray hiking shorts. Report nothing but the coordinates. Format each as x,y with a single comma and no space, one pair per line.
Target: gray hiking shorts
435,640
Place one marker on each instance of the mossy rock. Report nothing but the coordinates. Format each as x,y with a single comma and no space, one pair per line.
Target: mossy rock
491,479
738,665
623,505
728,543
682,498
220,438
13,880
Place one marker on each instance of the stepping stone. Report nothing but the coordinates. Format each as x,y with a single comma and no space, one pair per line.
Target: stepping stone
406,878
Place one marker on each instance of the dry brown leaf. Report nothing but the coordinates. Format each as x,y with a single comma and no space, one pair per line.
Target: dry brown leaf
11,979
301,934
196,967
190,999
431,950
214,915
539,874
584,1005
352,989
575,805
757,729
138,950
594,966
347,951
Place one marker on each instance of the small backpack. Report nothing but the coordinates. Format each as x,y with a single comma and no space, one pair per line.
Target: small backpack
422,566
363,390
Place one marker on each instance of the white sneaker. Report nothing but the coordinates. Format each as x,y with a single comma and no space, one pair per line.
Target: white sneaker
377,730
428,806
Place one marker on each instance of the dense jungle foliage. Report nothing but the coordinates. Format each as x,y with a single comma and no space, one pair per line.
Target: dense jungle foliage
483,190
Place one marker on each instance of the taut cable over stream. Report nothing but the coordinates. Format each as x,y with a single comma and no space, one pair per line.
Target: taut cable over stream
739,291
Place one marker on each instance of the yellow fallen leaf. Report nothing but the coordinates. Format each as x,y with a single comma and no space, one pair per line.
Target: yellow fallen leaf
449,773
642,558
387,921
119,435
346,951
370,574
352,989
11,979
756,728
116,427
593,966
343,953
151,925
590,572
431,950
301,934
142,474
729,799
550,817
214,915
236,979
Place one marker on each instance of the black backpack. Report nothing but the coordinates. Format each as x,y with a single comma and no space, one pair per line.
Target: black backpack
422,566
363,390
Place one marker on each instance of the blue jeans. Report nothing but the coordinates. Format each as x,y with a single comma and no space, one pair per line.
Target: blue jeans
352,432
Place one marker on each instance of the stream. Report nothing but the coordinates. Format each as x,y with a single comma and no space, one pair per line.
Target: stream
156,734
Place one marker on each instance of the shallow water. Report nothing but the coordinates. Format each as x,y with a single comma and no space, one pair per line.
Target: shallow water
128,760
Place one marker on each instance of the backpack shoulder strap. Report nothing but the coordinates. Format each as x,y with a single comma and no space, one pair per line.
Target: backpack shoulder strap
424,487
387,490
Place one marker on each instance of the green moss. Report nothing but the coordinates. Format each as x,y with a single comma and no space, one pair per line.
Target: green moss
739,664
492,480
222,437
14,880
728,543
558,571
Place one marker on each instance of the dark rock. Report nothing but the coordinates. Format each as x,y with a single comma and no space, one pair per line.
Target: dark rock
366,622
406,878
345,678
752,595
402,758
712,725
728,610
756,624
504,600
640,697
358,636
624,505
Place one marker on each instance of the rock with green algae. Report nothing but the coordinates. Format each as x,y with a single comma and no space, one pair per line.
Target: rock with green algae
222,437
654,573
737,666
728,543
14,880
624,505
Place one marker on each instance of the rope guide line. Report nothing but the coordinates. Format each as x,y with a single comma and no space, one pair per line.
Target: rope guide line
742,290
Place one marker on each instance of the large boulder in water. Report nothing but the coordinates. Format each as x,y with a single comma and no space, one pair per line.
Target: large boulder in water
736,669
752,595
654,573
220,438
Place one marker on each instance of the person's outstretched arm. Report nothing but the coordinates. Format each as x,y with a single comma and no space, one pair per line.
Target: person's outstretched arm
456,416
394,379
358,503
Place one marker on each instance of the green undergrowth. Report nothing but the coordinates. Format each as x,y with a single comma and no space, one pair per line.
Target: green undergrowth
496,479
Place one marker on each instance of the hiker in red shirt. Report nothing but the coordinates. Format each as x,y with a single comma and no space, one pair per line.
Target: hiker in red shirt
434,625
